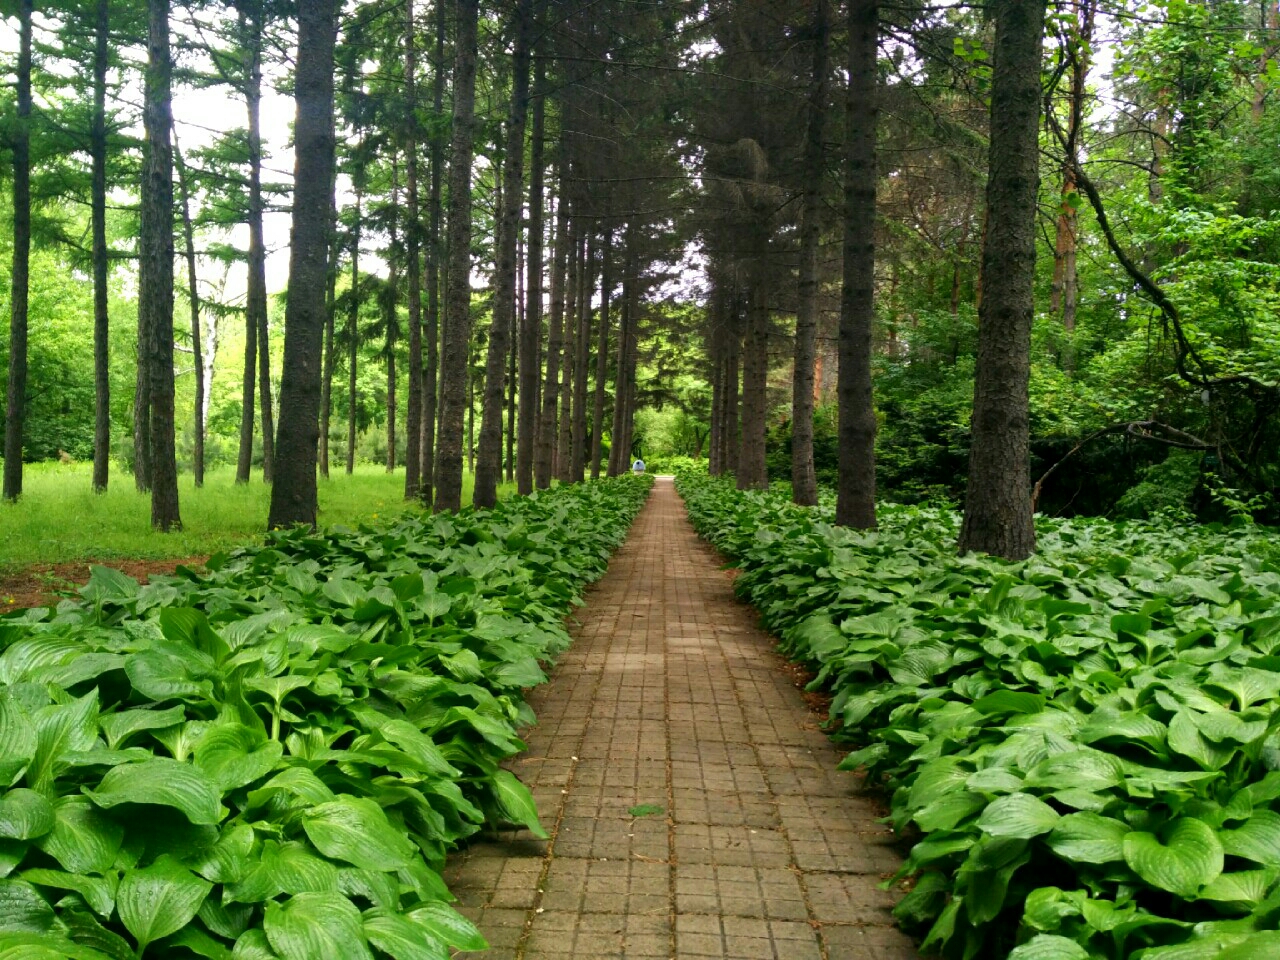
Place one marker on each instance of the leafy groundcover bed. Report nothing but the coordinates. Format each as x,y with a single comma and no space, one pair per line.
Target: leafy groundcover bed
1084,746
272,759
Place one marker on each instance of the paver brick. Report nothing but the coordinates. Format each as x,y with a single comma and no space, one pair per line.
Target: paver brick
752,847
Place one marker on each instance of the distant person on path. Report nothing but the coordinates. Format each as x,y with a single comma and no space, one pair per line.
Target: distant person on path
638,466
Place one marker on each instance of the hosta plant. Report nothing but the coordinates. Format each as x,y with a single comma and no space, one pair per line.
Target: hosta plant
272,759
1085,746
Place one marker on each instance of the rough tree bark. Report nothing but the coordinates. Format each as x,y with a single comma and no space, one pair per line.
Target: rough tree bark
101,320
602,351
453,393
391,316
193,299
430,394
353,320
752,474
489,459
618,449
413,263
997,513
564,439
1064,292
586,285
293,495
856,496
155,268
16,398
531,329
546,441
804,482
330,308
256,294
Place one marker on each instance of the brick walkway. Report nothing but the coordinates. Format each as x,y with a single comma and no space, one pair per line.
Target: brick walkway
671,697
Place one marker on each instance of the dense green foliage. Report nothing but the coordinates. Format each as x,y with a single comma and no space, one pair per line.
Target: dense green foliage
1085,745
275,756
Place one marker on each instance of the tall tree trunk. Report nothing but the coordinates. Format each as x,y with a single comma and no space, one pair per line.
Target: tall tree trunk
752,474
293,495
353,322
512,383
716,351
586,285
458,306
413,264
619,450
602,351
531,330
804,482
856,498
193,298
547,435
16,398
997,514
489,461
101,323
155,273
391,316
730,430
564,440
430,389
330,308
256,296
248,381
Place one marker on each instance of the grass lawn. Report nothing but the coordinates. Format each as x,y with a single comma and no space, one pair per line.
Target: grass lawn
60,519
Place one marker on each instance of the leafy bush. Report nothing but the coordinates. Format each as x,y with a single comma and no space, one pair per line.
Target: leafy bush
1086,743
272,760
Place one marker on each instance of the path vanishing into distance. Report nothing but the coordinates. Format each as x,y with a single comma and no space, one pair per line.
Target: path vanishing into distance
671,699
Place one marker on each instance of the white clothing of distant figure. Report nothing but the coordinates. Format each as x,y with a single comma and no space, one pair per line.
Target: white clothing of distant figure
638,466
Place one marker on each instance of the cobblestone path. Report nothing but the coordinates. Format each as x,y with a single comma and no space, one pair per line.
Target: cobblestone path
693,805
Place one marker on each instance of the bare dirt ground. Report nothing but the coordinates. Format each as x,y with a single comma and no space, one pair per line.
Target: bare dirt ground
44,584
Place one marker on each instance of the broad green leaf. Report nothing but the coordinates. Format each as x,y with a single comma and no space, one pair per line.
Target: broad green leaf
199,943
1009,701
118,727
283,868
98,892
159,900
1046,946
22,909
313,925
1188,857
253,945
401,938
1242,886
17,740
356,830
1088,838
83,838
61,729
228,860
1018,815
443,922
516,803
1257,839
25,815
949,810
165,782
234,756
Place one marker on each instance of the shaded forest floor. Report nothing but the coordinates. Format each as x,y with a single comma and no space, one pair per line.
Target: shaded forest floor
43,584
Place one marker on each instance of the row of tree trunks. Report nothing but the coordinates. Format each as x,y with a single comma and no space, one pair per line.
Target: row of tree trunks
564,435
582,355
